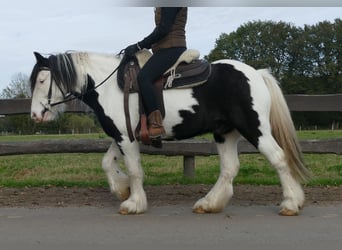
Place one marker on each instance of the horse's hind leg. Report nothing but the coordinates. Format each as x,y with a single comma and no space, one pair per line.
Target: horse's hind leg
118,181
292,191
218,197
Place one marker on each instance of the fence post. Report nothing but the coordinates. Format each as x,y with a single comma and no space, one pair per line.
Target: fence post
189,166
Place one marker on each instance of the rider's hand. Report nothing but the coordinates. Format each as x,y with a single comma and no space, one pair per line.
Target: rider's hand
131,50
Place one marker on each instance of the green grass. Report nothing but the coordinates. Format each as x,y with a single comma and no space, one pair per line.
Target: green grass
255,169
319,134
84,170
51,169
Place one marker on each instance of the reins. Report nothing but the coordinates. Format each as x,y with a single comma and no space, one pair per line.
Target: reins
72,96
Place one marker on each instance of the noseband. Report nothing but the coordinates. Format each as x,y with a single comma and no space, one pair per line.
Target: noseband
49,105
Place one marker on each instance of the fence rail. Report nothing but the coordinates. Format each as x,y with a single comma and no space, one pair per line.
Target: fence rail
295,102
187,148
190,147
23,106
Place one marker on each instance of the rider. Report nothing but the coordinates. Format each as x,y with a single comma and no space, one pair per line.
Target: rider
167,42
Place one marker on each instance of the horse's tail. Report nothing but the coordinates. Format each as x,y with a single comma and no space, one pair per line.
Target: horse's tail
283,129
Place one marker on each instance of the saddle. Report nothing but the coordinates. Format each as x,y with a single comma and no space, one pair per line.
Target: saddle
189,71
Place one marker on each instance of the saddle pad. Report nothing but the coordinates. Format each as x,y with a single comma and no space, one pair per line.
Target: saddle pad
188,75
187,72
187,56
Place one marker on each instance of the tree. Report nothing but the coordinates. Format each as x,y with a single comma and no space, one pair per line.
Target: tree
324,46
305,60
18,87
316,67
79,123
260,44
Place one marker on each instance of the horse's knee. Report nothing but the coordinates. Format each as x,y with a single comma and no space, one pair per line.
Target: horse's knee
106,163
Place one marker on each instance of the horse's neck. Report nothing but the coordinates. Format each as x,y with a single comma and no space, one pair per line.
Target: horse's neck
96,66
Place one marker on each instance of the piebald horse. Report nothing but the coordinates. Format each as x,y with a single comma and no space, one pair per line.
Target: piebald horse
236,101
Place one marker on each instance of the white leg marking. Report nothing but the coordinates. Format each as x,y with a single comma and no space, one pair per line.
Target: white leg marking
118,181
292,191
137,201
218,197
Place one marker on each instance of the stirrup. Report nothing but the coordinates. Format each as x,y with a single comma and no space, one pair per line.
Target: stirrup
156,142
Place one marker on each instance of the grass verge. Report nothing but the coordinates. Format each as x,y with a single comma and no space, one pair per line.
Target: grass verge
84,170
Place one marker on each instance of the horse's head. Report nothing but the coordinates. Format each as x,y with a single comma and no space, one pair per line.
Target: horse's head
49,86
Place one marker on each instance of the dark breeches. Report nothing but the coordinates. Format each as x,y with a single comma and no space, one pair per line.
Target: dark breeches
160,61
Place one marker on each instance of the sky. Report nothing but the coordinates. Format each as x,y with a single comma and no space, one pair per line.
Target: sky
104,26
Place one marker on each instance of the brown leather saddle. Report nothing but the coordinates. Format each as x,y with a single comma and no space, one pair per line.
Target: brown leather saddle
187,72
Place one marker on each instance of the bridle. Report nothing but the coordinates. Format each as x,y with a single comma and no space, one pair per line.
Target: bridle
68,97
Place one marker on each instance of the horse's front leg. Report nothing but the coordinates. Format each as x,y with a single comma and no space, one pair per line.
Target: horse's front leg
118,181
137,201
220,194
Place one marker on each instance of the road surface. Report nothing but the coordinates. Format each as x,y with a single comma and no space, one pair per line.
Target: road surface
170,227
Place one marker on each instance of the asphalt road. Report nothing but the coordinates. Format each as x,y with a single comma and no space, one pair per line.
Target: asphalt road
171,227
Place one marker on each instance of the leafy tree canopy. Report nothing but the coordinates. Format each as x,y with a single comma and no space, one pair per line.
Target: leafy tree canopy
305,60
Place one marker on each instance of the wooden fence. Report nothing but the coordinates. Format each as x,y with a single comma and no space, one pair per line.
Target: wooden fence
186,148
321,103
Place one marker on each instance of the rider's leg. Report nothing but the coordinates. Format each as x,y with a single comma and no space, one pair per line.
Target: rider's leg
161,61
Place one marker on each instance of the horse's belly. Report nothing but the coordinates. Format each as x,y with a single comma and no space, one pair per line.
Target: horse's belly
176,100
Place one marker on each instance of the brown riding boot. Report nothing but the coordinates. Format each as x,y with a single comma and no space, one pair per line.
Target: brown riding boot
156,128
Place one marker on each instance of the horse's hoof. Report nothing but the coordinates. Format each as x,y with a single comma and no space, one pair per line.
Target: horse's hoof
123,211
288,212
199,210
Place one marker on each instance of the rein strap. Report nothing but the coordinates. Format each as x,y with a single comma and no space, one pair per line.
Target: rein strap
72,96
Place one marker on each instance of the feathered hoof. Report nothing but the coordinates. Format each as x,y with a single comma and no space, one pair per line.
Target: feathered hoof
133,206
123,211
199,210
288,212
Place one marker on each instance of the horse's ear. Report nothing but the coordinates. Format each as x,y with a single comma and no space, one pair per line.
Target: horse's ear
40,59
